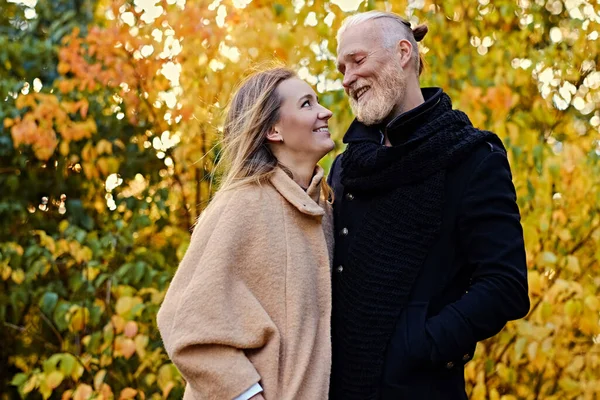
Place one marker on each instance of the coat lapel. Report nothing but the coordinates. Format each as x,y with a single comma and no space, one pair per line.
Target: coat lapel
306,202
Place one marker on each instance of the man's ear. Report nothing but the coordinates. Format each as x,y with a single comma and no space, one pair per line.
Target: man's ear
273,135
405,50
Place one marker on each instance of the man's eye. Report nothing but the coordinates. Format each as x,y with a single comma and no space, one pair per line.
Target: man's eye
360,60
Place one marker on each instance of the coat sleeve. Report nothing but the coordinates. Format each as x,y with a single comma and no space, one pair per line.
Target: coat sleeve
491,236
210,316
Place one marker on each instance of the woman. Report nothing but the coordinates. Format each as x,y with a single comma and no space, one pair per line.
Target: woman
248,311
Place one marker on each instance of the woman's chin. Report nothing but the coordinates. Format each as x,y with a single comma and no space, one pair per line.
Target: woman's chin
326,148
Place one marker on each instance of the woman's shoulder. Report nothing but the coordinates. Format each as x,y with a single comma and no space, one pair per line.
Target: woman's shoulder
253,195
244,200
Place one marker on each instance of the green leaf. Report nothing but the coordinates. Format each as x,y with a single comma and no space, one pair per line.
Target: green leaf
279,9
67,363
19,379
60,313
48,303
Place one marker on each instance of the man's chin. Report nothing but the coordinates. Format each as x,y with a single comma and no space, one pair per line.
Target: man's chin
368,120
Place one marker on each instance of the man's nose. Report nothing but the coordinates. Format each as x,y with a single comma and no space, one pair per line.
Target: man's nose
349,79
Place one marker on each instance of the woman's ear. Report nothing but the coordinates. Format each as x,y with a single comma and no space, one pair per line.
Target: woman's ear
273,135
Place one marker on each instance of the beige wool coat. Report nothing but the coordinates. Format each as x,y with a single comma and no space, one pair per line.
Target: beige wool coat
251,300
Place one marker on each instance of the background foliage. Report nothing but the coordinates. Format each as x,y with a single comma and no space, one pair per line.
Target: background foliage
110,113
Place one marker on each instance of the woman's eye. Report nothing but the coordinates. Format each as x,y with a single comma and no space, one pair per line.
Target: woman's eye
360,61
306,103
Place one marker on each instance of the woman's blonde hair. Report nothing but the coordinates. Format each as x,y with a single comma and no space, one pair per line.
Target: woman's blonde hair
253,111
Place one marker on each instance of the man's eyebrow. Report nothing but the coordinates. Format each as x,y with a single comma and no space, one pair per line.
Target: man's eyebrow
352,53
348,55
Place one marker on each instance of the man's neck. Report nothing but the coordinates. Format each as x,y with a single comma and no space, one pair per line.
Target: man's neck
413,99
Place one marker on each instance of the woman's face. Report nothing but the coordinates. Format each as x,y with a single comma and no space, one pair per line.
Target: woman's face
303,122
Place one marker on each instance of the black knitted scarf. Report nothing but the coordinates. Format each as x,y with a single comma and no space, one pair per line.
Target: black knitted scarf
407,182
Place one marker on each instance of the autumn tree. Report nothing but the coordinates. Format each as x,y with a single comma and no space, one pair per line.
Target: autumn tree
111,116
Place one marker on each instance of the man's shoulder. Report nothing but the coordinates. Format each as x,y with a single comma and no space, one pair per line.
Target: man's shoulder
491,143
469,162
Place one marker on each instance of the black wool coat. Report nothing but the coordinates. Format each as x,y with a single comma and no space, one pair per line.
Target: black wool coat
473,280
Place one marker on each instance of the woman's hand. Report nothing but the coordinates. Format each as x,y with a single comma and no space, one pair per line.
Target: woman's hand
258,396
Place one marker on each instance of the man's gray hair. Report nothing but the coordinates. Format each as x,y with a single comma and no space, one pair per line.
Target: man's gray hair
393,28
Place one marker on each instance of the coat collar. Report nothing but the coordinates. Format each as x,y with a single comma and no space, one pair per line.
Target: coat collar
306,202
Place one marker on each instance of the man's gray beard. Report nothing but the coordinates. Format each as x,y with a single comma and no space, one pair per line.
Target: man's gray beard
384,96
373,112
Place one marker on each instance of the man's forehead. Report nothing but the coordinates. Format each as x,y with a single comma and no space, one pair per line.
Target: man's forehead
358,38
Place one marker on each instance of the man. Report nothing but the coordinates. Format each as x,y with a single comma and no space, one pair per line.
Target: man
429,255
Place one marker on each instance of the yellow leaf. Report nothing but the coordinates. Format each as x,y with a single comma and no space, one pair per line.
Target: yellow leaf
141,341
118,322
77,318
546,310
18,276
31,384
64,148
592,302
564,235
569,385
5,272
519,348
573,264
54,378
479,392
63,225
8,122
165,375
535,283
124,304
99,379
572,308
104,147
90,273
77,372
494,395
46,241
45,389
149,379
167,389
103,166
532,350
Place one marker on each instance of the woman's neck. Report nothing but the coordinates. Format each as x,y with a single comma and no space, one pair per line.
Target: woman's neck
302,173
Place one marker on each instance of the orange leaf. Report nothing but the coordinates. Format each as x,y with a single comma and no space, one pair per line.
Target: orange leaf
83,108
127,393
131,329
63,68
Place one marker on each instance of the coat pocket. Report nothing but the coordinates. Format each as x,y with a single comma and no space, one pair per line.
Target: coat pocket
408,354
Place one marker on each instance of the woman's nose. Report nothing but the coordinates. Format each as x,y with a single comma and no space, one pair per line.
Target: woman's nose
325,114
